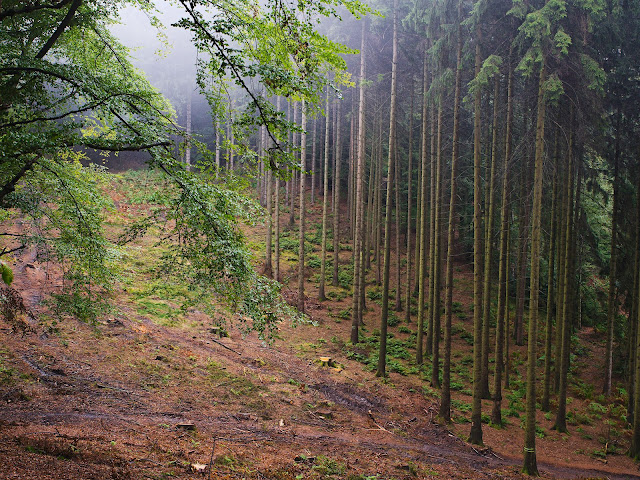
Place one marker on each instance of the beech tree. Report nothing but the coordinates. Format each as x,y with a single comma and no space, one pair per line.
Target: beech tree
68,86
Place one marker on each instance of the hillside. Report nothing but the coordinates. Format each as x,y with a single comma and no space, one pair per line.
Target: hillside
151,391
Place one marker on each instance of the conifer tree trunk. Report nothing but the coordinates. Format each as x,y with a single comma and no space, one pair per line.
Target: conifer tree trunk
488,245
276,272
380,372
416,285
523,241
613,304
303,168
563,321
352,162
325,203
292,181
376,216
530,464
435,278
445,399
374,197
561,290
423,214
503,268
409,232
634,449
336,201
633,319
217,152
397,232
313,162
507,336
358,233
268,268
187,152
546,389
475,435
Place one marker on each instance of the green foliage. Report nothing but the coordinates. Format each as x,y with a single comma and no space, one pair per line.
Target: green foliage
79,89
7,273
345,275
328,466
489,69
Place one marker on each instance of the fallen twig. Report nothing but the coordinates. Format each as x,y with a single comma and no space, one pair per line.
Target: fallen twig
213,449
223,345
376,423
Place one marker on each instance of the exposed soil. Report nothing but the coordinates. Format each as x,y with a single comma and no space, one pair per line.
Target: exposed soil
132,398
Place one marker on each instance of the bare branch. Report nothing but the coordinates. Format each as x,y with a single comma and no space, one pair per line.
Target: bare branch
61,28
12,12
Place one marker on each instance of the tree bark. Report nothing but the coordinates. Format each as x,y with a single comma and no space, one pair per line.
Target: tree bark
409,230
358,233
325,203
475,436
488,245
336,201
423,214
546,389
563,360
530,466
503,268
303,168
613,304
445,398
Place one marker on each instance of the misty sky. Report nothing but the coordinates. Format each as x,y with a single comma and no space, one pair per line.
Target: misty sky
169,68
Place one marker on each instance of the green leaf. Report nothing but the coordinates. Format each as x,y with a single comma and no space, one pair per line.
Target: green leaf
7,274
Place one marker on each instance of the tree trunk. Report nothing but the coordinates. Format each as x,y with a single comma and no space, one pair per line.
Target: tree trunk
503,268
434,231
633,320
423,213
217,127
187,146
613,304
396,181
502,321
561,415
277,218
546,389
445,399
488,245
634,449
387,221
530,464
325,203
435,278
313,162
292,181
352,162
507,336
409,232
268,268
358,233
562,269
475,436
303,168
336,201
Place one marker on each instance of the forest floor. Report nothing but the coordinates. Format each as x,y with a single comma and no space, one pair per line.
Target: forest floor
152,392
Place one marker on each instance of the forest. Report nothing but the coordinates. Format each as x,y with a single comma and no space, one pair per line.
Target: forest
320,239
